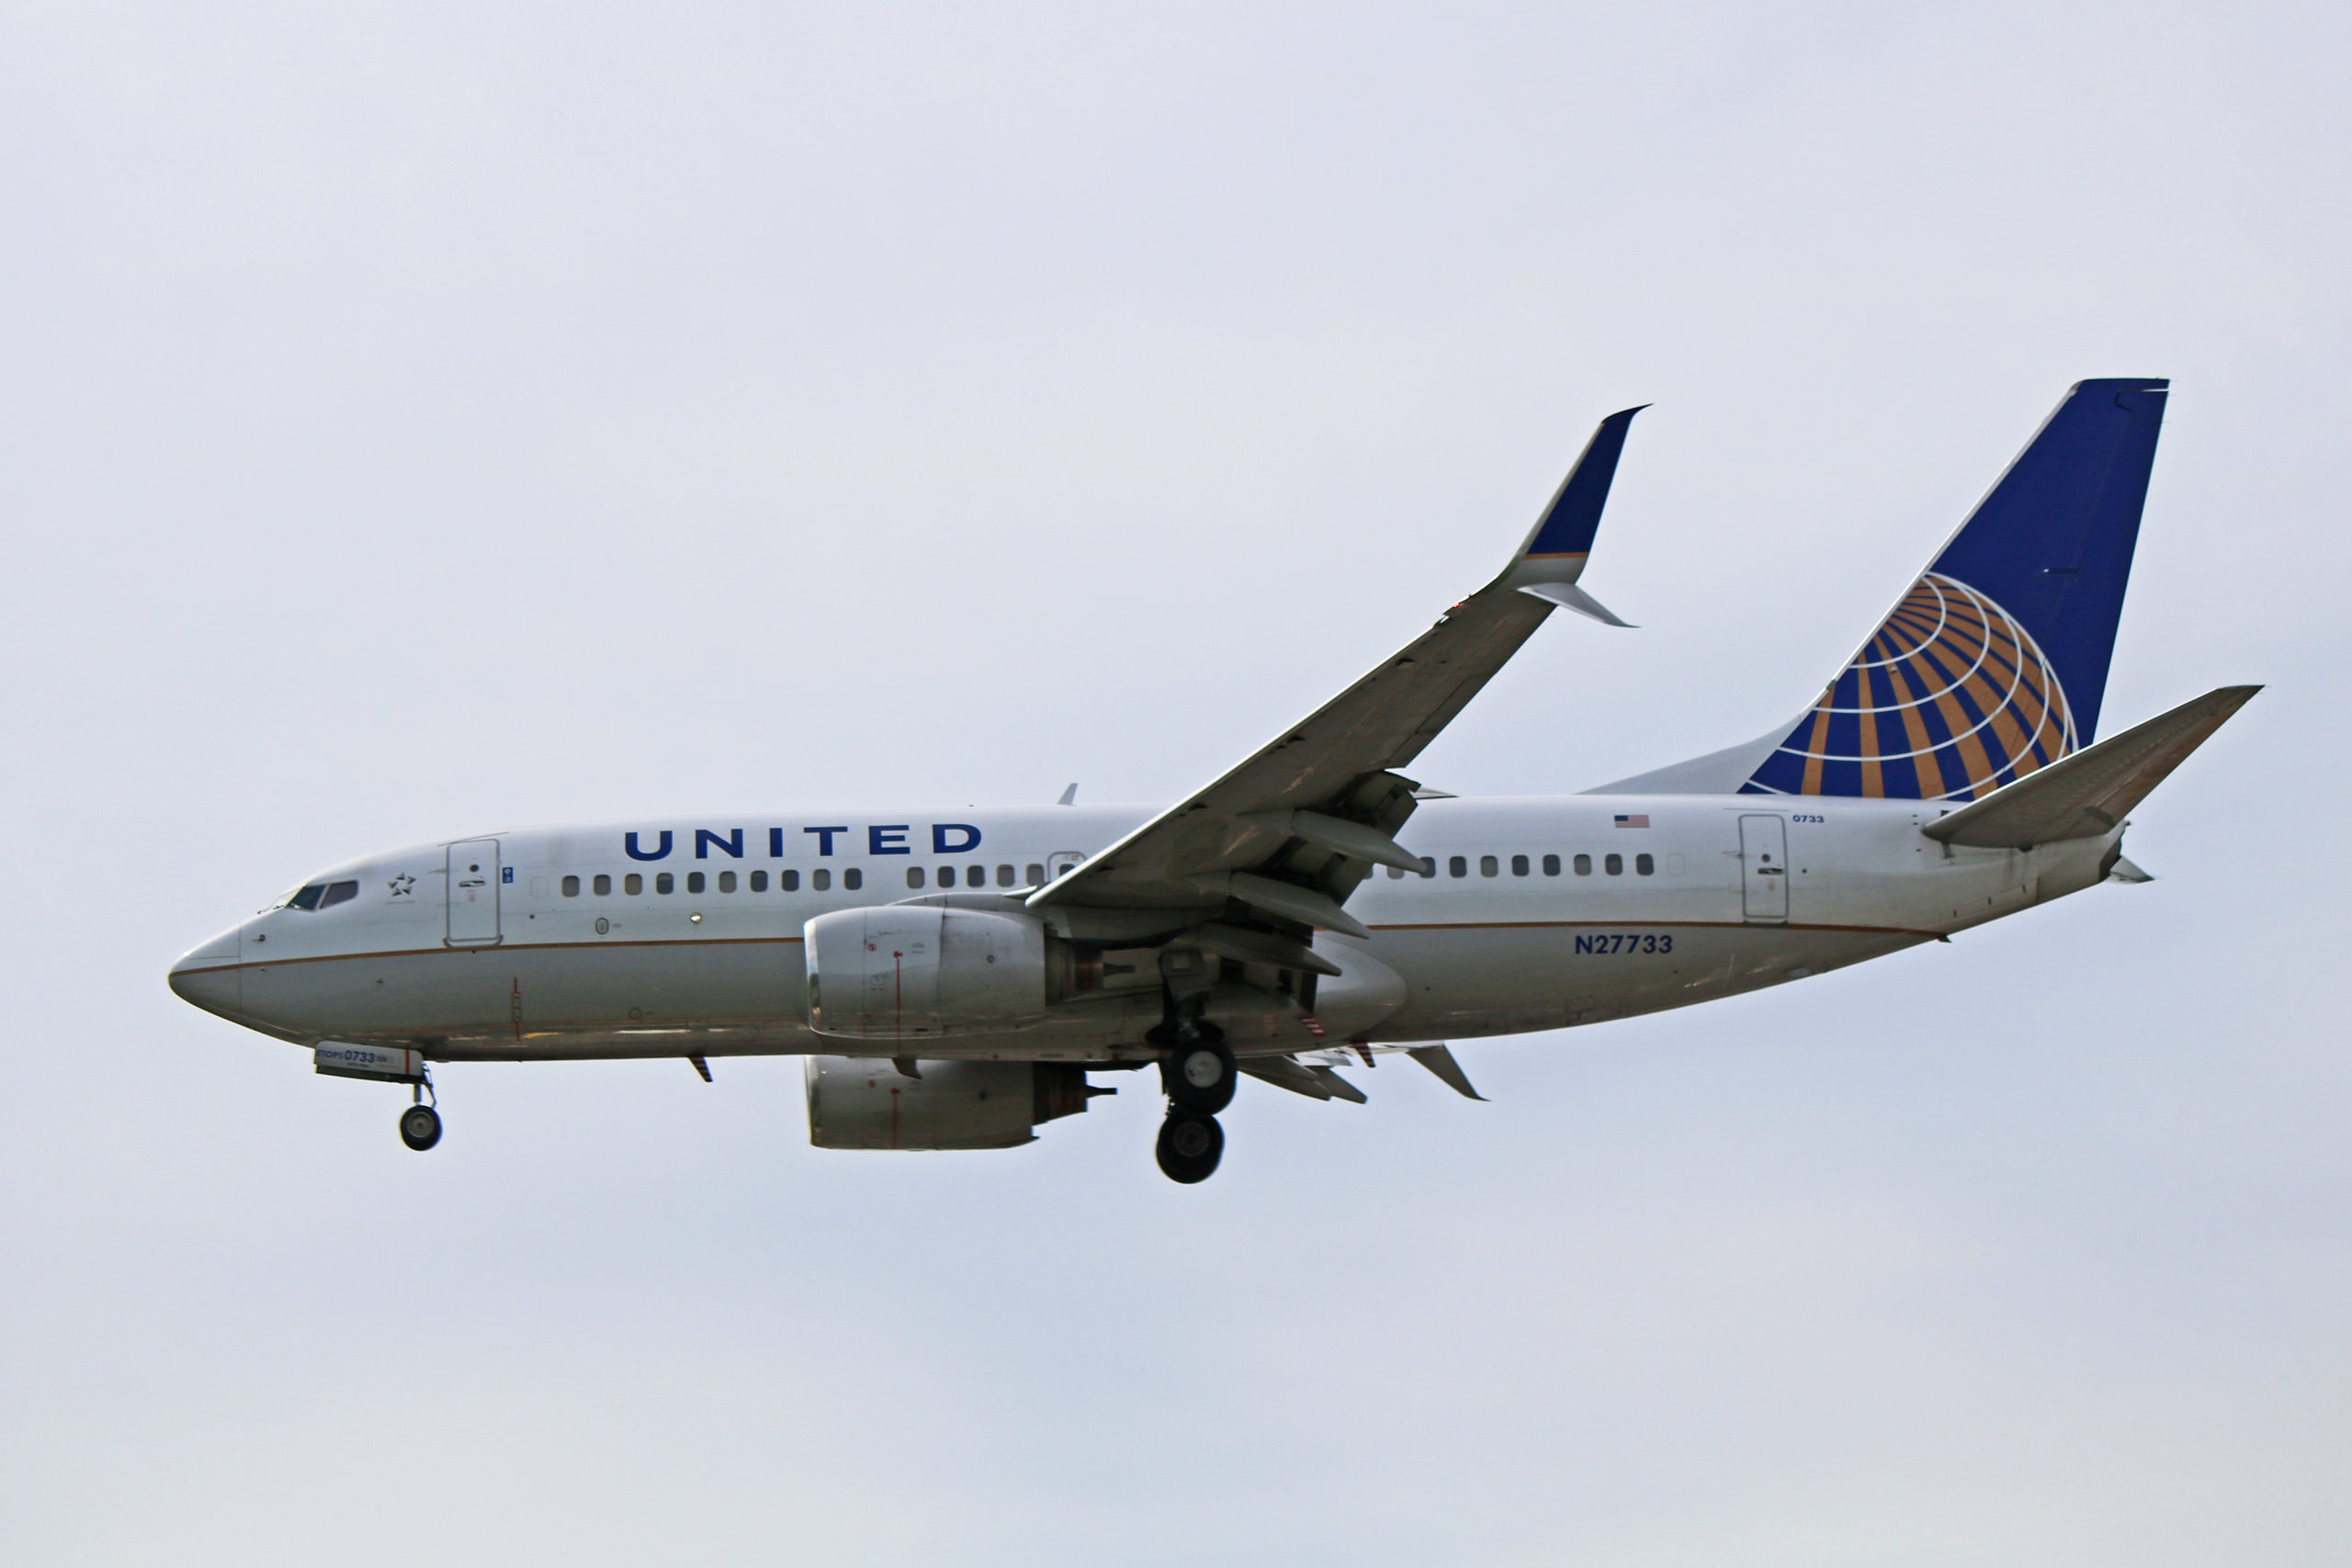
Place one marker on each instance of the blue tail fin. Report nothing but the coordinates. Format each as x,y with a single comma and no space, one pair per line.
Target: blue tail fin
1993,663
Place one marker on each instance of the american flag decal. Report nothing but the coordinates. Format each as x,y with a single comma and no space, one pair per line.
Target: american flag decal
1639,820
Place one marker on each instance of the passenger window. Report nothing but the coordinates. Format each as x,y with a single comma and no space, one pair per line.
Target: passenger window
602,884
1584,865
976,876
1519,865
1644,865
946,877
1614,865
1489,866
664,883
788,881
1457,866
308,898
632,885
694,883
339,892
820,881
727,881
1004,877
1396,873
1036,874
852,879
571,888
914,877
1551,865
1429,865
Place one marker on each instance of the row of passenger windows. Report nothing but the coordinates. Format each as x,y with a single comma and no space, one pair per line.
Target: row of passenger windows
853,879
820,880
1491,865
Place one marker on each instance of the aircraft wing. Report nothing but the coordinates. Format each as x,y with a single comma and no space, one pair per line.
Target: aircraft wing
1292,829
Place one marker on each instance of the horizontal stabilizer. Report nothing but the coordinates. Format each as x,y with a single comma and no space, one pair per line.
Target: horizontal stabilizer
2087,794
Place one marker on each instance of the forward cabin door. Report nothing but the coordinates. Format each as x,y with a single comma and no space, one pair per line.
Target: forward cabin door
1764,868
473,893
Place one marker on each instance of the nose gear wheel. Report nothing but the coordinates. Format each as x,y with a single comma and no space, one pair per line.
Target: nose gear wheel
420,1127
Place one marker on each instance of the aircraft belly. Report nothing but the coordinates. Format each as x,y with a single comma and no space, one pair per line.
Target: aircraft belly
1484,981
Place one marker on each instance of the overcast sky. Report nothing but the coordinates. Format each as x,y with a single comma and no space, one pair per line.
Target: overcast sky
423,419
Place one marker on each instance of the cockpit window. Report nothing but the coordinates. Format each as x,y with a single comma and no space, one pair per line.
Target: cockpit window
319,895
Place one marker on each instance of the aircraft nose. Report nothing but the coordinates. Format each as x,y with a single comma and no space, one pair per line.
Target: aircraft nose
208,977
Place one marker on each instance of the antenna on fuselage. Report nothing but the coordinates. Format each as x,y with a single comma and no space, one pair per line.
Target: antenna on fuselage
1069,795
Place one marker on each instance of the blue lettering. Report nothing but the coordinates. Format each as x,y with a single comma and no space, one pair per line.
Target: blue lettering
636,854
888,841
824,838
939,831
705,840
776,843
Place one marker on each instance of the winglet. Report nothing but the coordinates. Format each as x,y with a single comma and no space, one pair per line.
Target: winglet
1569,525
1568,596
1557,548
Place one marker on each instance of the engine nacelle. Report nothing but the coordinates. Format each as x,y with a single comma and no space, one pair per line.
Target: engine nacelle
857,1102
924,971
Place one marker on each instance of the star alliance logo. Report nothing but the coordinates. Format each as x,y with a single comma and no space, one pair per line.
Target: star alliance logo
403,885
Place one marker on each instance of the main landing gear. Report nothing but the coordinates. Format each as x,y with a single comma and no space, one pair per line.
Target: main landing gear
1190,1147
1199,1076
421,1124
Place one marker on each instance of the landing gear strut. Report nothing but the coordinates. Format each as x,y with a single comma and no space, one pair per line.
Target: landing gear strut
421,1124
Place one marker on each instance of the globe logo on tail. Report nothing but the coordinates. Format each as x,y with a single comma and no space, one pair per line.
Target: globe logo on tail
1948,700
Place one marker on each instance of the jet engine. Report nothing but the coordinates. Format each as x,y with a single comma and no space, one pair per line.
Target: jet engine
868,1103
924,971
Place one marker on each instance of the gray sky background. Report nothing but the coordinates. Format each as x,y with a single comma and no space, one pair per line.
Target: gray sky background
418,419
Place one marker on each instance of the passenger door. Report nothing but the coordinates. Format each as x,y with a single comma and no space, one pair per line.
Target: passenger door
473,893
1763,868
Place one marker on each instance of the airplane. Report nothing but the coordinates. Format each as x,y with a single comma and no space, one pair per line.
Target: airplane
955,978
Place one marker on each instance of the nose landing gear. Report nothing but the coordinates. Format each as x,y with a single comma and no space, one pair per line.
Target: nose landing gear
421,1124
420,1127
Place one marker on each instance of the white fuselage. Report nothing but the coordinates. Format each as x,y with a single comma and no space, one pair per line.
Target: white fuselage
503,947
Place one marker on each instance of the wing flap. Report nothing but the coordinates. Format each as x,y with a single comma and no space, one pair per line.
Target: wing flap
1299,1078
2089,793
